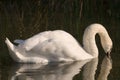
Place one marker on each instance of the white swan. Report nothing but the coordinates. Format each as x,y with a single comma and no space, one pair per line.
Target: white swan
59,45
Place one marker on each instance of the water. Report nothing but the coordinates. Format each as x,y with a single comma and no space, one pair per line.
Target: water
58,71
23,19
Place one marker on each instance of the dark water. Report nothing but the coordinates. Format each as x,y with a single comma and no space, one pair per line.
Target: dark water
23,19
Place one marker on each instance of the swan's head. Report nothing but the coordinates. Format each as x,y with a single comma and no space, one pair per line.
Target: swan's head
107,45
108,50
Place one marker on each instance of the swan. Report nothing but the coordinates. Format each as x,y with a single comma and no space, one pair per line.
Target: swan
59,46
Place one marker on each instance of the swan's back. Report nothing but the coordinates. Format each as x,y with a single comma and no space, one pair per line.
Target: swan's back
55,45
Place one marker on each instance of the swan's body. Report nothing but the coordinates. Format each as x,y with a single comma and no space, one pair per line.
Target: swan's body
59,45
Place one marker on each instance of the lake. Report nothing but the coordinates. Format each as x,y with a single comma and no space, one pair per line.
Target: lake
23,19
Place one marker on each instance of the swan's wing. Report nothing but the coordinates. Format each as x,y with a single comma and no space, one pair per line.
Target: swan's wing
29,44
35,40
18,41
32,42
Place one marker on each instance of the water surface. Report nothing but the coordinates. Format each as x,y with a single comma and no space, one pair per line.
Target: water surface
59,71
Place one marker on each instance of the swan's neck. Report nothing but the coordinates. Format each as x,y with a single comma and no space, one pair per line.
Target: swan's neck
89,43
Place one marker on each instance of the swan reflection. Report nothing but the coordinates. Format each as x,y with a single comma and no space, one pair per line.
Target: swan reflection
91,67
52,71
106,66
63,71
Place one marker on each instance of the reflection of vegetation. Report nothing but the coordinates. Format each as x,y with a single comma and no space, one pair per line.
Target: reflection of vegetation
22,19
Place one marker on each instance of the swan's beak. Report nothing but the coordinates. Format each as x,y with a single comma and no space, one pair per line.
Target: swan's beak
108,54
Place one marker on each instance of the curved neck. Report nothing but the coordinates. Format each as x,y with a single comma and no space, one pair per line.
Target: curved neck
89,43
